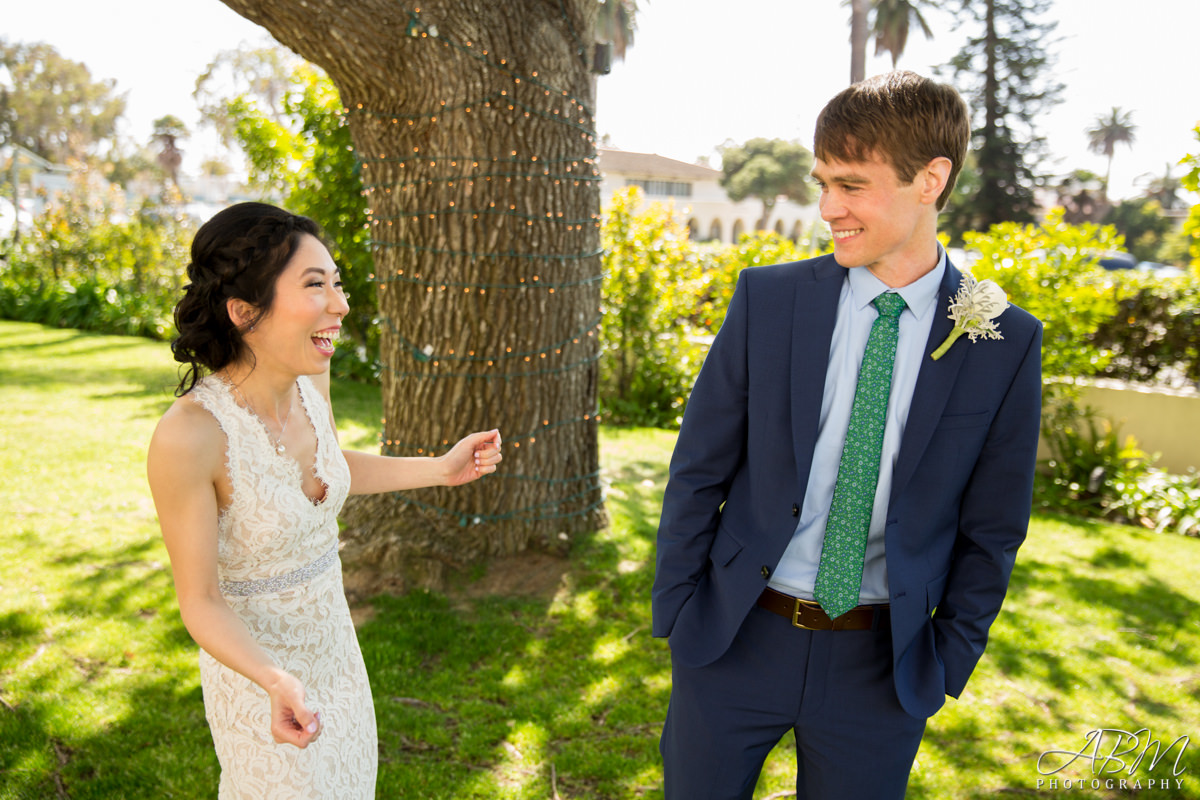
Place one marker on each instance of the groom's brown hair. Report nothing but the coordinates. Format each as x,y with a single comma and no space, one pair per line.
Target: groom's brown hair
901,117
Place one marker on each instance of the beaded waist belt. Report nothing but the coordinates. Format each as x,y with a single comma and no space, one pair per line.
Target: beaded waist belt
279,583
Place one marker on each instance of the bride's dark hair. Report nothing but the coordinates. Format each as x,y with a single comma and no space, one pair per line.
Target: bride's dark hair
238,254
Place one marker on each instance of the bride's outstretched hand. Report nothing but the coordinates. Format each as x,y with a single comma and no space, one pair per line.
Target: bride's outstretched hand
474,456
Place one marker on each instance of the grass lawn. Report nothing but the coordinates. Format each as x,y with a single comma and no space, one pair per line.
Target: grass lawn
555,694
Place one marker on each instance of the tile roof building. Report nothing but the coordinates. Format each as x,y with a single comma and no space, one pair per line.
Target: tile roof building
695,192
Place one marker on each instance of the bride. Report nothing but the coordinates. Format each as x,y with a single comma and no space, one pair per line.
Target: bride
248,480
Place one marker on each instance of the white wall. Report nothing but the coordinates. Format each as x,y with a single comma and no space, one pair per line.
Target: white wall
1163,421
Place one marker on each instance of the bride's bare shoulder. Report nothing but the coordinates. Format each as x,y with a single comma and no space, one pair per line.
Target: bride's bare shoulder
187,433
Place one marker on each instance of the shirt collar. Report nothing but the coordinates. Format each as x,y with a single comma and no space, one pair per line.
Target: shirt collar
920,296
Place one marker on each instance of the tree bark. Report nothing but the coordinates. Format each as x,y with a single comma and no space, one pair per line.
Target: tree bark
473,123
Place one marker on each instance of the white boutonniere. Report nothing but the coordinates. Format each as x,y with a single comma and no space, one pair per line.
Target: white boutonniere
974,310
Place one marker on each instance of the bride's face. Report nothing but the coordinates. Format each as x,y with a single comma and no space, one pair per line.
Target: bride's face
298,332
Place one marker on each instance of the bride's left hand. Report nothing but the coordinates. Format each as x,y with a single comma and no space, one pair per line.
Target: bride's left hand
474,456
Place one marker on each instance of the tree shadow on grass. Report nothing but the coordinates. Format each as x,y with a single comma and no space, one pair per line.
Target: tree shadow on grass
1049,668
43,758
634,472
1116,558
1151,607
44,337
479,694
51,343
157,743
1085,525
104,371
499,695
1115,585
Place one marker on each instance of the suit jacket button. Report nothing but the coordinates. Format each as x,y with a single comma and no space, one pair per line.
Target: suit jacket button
766,572
795,510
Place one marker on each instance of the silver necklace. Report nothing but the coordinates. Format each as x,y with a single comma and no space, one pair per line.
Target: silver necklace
279,448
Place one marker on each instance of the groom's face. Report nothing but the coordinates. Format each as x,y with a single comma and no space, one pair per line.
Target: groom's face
877,221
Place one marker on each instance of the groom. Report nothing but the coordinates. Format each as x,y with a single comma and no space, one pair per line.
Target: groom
835,542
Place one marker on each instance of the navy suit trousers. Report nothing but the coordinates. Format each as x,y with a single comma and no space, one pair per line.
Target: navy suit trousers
854,741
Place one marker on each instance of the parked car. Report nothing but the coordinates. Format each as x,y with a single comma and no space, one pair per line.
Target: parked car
1161,270
1118,260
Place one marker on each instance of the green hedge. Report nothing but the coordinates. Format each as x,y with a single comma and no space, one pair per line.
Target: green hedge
89,262
1155,335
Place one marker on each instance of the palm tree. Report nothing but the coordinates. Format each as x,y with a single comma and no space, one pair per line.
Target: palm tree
1108,131
890,28
859,33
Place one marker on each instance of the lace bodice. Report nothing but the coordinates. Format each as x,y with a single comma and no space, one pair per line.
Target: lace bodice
271,527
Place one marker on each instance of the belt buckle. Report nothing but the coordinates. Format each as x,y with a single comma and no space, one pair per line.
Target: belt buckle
801,605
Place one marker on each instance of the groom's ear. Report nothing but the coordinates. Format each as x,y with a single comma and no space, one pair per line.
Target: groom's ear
934,176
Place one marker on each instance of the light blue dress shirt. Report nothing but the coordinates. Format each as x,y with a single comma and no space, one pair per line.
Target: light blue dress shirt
797,570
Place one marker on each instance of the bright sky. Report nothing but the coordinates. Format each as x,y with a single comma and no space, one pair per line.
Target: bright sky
703,71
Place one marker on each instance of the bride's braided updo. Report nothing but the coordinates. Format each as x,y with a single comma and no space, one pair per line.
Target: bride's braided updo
238,254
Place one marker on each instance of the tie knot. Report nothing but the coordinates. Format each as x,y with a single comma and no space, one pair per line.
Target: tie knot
889,304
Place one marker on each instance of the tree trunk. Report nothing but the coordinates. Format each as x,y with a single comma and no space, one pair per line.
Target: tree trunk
859,33
473,124
768,207
991,205
991,83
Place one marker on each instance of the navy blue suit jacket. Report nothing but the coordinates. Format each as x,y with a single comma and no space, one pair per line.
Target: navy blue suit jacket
960,498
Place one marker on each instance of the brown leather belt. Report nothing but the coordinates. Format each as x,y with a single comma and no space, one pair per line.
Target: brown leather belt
810,616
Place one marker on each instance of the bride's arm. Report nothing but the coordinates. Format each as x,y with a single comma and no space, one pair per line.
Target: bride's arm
184,460
474,456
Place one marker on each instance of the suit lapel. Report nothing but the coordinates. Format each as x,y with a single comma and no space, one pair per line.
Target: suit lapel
815,313
934,383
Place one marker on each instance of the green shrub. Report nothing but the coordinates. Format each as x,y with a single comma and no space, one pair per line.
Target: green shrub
723,264
1142,225
664,300
306,155
1154,337
1088,458
1191,226
651,349
1122,324
1092,472
87,262
1159,500
1051,271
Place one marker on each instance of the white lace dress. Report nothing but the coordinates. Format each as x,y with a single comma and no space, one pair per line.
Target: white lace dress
280,573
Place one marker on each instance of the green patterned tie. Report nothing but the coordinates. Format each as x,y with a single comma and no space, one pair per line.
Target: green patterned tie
839,576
